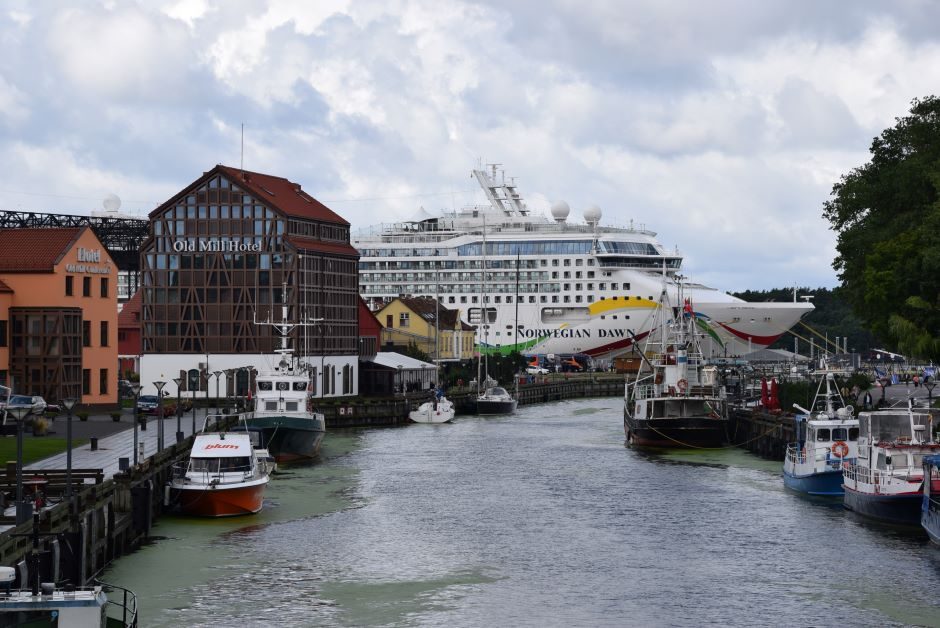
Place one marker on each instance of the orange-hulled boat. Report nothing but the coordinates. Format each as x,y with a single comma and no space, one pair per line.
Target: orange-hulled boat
223,478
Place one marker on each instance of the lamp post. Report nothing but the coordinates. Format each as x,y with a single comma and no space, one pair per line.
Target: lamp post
159,384
929,386
179,408
19,413
69,403
218,375
135,388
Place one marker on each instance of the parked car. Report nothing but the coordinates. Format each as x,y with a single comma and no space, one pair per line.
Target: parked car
38,403
148,404
536,370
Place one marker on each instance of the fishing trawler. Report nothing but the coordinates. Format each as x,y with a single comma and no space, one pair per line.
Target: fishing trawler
291,430
676,400
887,481
555,286
827,437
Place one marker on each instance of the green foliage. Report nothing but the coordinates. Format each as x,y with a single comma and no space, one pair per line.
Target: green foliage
887,217
412,351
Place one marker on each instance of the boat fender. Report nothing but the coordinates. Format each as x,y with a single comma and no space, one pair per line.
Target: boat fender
840,449
682,384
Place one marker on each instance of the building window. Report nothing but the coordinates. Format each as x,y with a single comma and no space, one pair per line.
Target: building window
103,381
86,334
104,287
122,335
69,285
86,286
3,334
104,333
86,381
404,319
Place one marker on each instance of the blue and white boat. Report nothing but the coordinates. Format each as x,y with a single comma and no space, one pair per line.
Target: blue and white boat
827,438
930,507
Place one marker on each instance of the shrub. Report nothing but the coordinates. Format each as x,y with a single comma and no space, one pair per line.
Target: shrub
83,415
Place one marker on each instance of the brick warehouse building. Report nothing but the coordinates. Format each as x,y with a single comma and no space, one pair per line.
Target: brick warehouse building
58,315
221,254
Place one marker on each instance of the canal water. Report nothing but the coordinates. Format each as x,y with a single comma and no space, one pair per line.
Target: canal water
539,519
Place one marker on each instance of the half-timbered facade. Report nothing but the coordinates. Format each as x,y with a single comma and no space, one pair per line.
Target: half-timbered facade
225,254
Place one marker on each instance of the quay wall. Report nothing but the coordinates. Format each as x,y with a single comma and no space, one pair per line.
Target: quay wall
103,521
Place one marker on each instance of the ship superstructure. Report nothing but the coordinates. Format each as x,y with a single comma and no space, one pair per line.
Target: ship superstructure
551,286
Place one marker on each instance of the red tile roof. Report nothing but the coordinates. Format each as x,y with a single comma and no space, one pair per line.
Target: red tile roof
35,250
129,316
309,244
280,193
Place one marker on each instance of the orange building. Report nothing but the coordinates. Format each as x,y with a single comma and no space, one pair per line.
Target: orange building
58,315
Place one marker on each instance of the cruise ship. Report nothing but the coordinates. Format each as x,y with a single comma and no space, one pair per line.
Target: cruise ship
544,285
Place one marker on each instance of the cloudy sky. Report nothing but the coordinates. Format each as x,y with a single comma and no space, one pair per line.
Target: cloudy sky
720,125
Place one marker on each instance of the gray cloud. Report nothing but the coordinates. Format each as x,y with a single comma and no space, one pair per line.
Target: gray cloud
720,125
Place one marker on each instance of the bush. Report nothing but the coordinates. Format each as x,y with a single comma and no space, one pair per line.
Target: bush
83,415
115,415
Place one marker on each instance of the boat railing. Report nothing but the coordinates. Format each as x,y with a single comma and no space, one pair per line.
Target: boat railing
796,454
865,475
127,607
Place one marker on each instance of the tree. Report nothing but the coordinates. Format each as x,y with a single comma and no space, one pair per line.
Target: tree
887,217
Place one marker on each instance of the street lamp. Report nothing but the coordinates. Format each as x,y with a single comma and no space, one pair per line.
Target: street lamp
218,375
19,413
929,386
179,408
135,388
159,385
69,403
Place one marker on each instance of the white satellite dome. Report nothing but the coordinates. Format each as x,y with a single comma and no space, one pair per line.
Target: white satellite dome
592,215
560,211
111,203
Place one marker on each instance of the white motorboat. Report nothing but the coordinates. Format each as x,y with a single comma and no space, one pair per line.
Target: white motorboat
439,410
224,477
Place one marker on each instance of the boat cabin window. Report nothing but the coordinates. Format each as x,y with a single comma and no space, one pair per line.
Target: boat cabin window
822,434
882,462
238,463
283,385
270,406
300,386
918,460
262,385
291,406
839,433
853,433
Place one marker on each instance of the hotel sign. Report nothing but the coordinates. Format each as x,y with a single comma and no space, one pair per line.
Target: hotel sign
215,245
89,258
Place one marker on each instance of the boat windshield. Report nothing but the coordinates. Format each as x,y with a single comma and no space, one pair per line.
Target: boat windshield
215,465
497,392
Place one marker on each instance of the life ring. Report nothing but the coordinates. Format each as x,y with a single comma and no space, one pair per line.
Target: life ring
840,449
682,384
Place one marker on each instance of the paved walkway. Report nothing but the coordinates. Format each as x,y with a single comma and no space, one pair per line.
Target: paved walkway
115,441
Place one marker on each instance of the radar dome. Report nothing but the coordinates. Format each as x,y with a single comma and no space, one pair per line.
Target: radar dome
592,215
111,203
560,211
